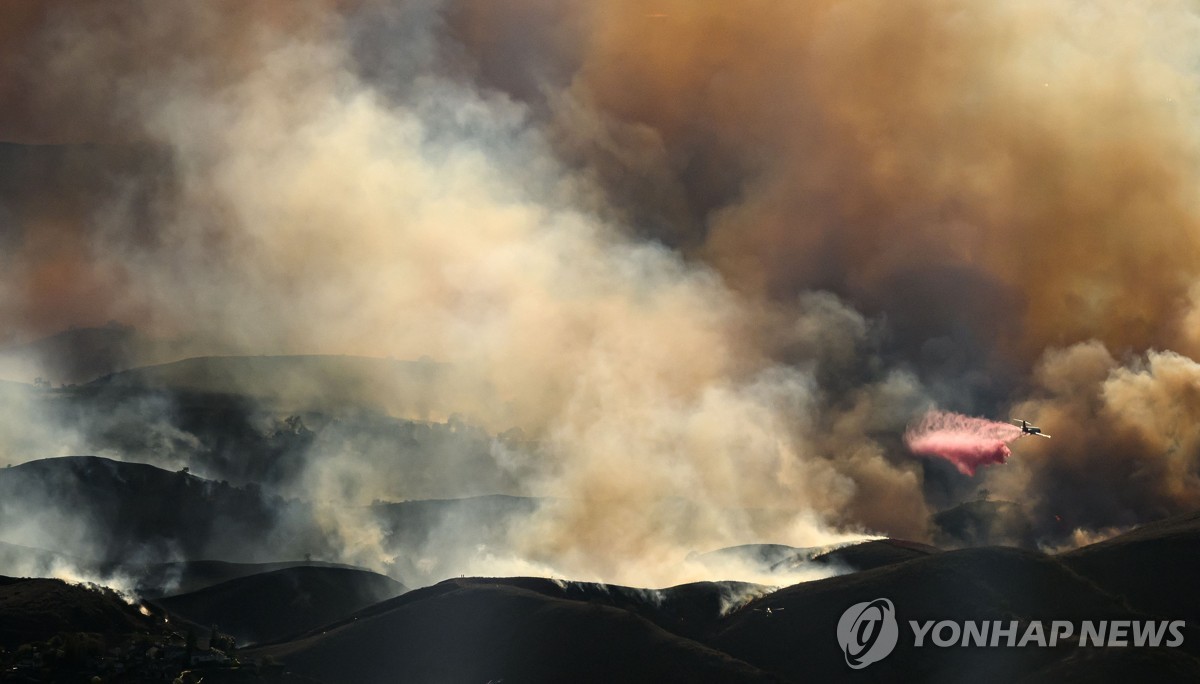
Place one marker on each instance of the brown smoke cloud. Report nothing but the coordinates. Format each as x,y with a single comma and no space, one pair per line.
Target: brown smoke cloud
478,182
78,70
308,211
1040,155
997,179
1125,447
75,81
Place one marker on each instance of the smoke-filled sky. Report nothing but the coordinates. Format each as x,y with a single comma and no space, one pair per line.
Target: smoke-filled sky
714,251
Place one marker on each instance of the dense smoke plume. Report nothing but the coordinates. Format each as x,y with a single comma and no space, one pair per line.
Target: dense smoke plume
707,258
1130,441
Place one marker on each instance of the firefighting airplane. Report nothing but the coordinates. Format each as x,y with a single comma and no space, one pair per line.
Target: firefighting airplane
1028,429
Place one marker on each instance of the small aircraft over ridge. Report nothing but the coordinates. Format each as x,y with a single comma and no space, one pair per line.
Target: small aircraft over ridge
1028,429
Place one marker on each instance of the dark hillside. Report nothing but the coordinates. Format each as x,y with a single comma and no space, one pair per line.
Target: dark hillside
276,604
37,609
1154,567
481,633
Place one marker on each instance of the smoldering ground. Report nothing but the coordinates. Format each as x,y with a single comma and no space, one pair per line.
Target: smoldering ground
613,222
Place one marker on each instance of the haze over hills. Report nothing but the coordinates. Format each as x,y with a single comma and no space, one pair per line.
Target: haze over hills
122,516
80,355
226,552
118,356
299,383
639,342
538,629
225,418
864,555
128,512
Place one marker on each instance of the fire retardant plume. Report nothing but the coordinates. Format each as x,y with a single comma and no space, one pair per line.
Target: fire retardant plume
967,442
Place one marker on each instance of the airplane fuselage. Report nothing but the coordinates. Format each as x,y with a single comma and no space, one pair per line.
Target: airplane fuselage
1028,429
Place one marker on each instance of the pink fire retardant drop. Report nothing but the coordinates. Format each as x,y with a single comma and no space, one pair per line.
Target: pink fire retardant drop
966,442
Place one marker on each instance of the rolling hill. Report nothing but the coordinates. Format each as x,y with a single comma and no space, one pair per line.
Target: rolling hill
268,606
782,559
526,629
35,609
117,512
455,632
339,624
301,382
1154,567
